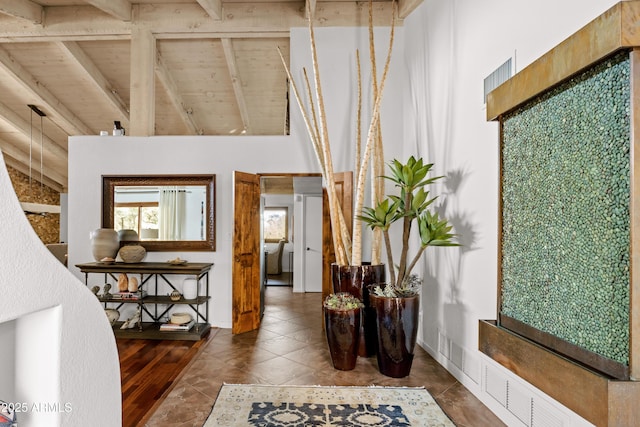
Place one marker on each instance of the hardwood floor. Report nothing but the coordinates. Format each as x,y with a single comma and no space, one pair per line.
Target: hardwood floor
148,368
289,348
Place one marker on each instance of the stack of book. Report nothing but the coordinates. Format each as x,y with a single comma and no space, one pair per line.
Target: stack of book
129,295
177,327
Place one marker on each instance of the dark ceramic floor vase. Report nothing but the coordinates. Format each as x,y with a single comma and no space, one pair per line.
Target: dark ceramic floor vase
342,328
356,280
397,328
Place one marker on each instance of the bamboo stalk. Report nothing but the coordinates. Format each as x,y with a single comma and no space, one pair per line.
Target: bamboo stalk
358,144
316,134
339,229
377,169
378,182
371,134
320,155
319,135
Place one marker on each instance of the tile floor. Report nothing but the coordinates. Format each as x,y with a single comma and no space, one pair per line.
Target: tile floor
290,348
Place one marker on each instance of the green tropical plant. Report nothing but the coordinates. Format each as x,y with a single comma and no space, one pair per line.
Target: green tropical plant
342,301
410,205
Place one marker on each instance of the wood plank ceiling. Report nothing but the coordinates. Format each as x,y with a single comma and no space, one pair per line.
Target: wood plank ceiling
160,67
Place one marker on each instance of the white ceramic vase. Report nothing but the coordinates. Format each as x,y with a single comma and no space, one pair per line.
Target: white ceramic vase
104,243
190,288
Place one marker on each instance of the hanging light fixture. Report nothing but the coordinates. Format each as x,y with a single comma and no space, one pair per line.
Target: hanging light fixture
40,113
37,208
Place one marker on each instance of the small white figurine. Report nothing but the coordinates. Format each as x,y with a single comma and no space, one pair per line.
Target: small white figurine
112,314
132,321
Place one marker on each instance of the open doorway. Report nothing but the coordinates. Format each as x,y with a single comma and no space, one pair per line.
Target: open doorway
290,226
248,261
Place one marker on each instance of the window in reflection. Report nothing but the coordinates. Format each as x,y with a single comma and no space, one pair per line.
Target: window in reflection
161,212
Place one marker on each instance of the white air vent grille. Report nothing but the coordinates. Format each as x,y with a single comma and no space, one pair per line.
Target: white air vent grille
543,415
457,355
496,385
519,403
472,367
443,344
495,79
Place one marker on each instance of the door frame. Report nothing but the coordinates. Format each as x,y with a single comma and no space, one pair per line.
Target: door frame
256,282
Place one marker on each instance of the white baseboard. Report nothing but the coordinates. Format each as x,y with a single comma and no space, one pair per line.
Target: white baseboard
516,402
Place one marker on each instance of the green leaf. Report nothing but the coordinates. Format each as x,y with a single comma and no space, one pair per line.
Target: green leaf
435,231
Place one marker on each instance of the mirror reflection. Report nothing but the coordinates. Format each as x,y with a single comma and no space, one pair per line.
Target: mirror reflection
163,213
167,212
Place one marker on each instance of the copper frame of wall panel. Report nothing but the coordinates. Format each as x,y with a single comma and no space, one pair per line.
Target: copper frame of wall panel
565,348
615,29
594,396
597,398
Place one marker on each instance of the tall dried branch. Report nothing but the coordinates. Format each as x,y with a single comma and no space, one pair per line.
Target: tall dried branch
356,258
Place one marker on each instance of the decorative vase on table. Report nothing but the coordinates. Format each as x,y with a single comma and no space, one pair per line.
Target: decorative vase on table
397,327
104,243
128,235
190,288
132,254
342,320
356,280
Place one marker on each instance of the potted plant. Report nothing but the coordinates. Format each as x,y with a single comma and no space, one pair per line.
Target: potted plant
342,319
397,303
349,273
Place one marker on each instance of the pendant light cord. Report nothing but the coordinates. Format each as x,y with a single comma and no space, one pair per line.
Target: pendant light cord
39,112
30,148
41,156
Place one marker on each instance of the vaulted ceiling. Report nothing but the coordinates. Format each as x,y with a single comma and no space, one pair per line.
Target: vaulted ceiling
159,67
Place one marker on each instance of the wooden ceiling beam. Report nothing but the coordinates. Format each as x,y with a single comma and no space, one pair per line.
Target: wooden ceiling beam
57,112
405,7
167,80
75,52
236,82
309,8
120,9
178,20
212,7
24,127
23,9
142,92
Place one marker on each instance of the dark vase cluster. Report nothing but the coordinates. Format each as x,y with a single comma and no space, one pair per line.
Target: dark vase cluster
385,327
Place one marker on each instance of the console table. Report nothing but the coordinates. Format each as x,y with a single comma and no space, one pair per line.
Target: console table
154,306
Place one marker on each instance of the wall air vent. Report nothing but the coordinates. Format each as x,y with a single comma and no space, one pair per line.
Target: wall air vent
495,385
499,76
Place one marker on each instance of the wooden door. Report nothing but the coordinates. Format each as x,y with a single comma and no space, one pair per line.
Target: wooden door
344,193
246,253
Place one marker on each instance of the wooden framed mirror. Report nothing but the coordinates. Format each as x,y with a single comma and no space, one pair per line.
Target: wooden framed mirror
169,212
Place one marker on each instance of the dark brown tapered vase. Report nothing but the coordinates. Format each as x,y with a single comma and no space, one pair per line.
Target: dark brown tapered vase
343,336
397,326
356,280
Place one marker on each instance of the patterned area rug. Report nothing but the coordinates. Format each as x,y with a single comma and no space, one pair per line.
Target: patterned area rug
308,406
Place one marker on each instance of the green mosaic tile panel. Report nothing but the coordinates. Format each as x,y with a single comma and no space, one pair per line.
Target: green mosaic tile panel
566,192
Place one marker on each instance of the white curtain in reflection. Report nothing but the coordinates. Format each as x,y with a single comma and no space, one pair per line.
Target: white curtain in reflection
171,213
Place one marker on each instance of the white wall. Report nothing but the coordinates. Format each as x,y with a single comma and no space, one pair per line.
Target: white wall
59,357
451,46
93,156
